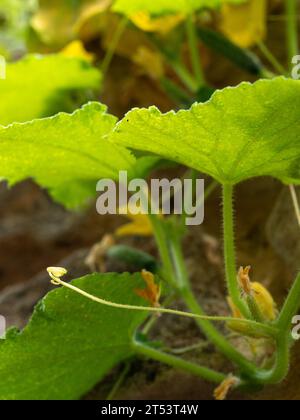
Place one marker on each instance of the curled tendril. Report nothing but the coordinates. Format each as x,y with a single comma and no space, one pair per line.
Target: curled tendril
56,273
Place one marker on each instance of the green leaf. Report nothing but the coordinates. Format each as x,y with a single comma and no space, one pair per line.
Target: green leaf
67,153
71,342
38,86
243,132
159,7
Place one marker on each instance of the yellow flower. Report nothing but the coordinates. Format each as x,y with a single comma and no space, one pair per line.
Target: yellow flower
140,226
263,299
245,24
76,50
162,25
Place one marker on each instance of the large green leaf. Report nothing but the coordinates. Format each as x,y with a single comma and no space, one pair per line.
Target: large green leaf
67,153
158,7
71,342
244,132
37,86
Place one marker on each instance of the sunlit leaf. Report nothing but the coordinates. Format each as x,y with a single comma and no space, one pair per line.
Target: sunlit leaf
67,154
40,86
71,342
244,132
166,6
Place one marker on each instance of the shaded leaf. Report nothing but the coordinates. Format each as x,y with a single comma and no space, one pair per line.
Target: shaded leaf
244,132
71,342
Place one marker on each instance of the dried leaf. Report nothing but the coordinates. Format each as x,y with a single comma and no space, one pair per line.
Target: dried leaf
152,291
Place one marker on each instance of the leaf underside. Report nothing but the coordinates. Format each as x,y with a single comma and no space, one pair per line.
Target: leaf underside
71,342
40,86
243,132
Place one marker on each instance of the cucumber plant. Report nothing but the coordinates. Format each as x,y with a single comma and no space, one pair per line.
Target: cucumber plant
72,340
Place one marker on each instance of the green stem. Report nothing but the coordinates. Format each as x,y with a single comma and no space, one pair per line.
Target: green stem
291,29
271,58
280,370
119,382
178,67
154,318
184,75
290,308
206,326
194,51
229,252
295,201
163,248
283,341
158,310
113,45
209,330
174,91
178,363
208,191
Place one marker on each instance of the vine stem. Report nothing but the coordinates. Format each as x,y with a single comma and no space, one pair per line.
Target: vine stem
57,281
113,45
290,307
295,202
177,362
119,382
177,66
209,330
194,51
271,58
291,29
229,252
283,341
189,298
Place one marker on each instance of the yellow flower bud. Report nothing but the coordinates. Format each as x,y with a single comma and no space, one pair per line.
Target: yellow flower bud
261,297
264,301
